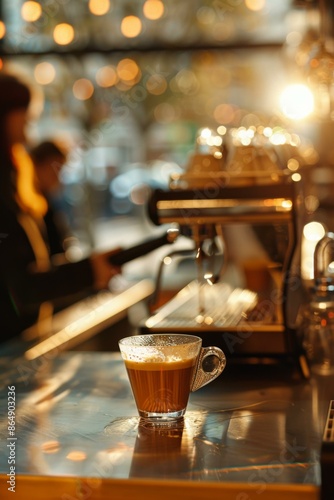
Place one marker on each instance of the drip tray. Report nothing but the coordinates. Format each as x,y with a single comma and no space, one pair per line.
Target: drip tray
222,315
204,305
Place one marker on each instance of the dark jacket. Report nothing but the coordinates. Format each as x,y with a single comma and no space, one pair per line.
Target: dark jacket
22,289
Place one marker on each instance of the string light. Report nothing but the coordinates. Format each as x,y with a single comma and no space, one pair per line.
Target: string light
131,26
63,34
99,7
153,9
31,11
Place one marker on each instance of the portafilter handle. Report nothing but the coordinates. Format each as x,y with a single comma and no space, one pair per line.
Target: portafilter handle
147,246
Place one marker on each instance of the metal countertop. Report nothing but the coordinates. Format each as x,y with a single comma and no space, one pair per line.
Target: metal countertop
255,428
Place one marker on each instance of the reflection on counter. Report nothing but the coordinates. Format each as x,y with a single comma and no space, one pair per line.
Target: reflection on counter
257,427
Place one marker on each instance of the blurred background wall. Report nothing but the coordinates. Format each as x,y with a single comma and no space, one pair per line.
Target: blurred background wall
127,85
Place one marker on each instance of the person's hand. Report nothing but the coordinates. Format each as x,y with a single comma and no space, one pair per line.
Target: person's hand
103,271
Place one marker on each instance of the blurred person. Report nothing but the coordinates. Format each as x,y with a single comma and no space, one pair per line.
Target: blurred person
49,158
28,276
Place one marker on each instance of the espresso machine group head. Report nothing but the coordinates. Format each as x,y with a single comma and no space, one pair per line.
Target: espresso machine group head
226,213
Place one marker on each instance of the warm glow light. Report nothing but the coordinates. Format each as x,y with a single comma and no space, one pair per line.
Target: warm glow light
287,204
63,34
96,316
207,138
205,133
255,5
153,9
221,130
293,164
2,29
44,73
31,11
156,84
83,89
312,233
28,195
127,70
99,7
131,26
224,113
76,456
296,177
106,76
244,135
278,138
297,101
50,447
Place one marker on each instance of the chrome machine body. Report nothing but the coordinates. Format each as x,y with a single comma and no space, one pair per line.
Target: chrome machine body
243,217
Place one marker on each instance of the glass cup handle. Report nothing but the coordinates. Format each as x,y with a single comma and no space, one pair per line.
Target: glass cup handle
210,364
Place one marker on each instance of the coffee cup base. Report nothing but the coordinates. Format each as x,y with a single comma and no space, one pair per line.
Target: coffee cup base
161,418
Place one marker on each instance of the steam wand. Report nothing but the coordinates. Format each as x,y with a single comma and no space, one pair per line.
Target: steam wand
200,273
128,254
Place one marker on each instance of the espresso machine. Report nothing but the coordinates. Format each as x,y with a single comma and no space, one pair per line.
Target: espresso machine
240,206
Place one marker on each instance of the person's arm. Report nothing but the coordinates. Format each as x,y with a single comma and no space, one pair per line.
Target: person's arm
28,286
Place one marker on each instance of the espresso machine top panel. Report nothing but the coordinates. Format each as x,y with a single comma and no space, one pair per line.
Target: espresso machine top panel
252,204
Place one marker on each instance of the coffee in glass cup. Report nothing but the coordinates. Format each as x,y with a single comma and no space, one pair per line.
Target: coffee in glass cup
164,368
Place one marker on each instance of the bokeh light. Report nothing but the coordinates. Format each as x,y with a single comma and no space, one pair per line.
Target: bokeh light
106,76
99,7
83,89
297,101
131,26
128,70
153,9
185,81
156,84
255,5
44,73
313,231
31,11
63,34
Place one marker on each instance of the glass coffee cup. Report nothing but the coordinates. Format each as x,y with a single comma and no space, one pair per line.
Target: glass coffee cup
164,368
